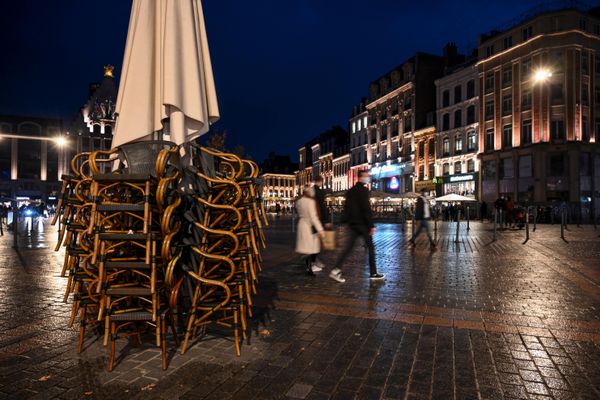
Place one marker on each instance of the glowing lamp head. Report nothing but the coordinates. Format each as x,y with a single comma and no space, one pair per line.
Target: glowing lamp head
541,75
61,141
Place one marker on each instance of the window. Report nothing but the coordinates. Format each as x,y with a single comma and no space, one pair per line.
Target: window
489,82
585,165
394,128
457,94
506,168
585,68
471,165
507,136
421,172
470,115
446,122
585,130
365,121
556,93
446,98
359,125
457,118
507,76
557,164
583,24
525,166
507,105
446,169
489,110
421,149
525,69
431,171
407,124
585,97
471,141
557,130
527,33
458,145
457,167
489,140
526,135
489,51
446,147
526,101
373,136
507,42
431,147
471,89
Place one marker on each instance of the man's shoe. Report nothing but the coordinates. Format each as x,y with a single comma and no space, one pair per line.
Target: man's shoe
377,277
315,268
319,264
309,272
336,275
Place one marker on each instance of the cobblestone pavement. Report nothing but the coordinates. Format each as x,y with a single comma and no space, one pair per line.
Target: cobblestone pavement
478,319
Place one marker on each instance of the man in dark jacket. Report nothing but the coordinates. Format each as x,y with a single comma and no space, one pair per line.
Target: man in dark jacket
359,217
324,217
422,214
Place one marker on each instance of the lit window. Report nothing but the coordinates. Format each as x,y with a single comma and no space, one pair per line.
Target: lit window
353,127
365,121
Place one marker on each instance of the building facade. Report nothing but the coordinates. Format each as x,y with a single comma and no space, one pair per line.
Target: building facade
539,110
359,143
278,189
33,157
425,158
400,103
457,166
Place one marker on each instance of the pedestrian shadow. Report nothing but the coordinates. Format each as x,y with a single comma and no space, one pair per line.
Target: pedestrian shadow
267,292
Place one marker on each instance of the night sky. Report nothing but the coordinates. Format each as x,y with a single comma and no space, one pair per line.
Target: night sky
285,70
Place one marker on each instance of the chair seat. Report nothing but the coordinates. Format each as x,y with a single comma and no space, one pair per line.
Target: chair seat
134,178
120,207
127,265
132,316
127,236
129,291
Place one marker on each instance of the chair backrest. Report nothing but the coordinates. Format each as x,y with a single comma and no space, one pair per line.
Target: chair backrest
140,157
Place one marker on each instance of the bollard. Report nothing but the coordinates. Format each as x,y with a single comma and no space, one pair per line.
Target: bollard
527,226
468,227
562,226
495,222
457,225
15,223
534,218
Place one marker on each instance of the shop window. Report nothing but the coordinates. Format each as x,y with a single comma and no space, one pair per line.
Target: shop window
489,169
506,168
585,165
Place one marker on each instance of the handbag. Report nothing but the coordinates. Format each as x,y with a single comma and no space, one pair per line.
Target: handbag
328,240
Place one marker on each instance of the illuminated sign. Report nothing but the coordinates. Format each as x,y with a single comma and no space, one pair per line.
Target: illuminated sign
394,183
462,178
51,197
22,197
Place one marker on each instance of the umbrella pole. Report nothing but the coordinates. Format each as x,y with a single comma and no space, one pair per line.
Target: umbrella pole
468,227
457,225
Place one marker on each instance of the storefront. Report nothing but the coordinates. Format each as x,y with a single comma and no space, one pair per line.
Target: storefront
462,184
429,186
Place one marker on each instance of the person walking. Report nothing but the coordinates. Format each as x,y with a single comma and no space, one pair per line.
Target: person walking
309,228
324,217
423,214
359,218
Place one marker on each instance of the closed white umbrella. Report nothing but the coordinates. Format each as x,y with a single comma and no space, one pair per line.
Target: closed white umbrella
167,73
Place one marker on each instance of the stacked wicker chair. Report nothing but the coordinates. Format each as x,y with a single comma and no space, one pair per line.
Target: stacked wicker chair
159,240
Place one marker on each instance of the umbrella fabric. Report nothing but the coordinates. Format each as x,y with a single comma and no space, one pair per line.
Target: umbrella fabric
454,197
167,73
409,195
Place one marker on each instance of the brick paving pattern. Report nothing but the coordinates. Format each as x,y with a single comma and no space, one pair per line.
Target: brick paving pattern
478,319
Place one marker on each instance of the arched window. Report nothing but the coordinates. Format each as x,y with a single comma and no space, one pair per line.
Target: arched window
446,147
458,118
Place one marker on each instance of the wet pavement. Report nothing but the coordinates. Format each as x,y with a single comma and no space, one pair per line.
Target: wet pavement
477,319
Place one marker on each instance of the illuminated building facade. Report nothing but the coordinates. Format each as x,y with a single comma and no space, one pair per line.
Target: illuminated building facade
359,143
457,166
425,153
539,110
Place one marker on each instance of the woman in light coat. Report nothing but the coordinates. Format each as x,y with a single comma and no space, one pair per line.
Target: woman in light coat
309,228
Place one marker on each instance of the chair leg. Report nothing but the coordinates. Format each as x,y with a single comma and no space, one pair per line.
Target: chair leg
235,332
163,342
113,345
82,324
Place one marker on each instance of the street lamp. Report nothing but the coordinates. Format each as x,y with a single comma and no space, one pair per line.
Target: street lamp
541,75
61,141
